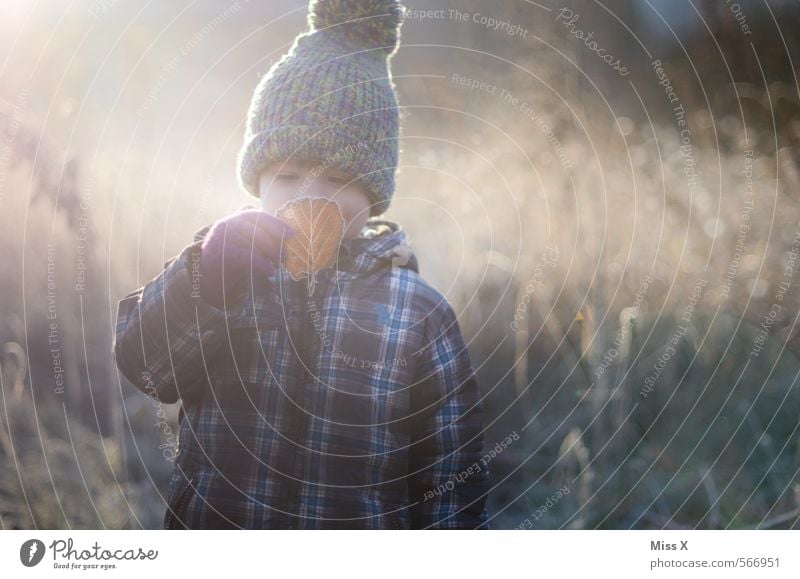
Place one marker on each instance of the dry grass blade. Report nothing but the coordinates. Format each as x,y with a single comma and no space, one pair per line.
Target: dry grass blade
319,226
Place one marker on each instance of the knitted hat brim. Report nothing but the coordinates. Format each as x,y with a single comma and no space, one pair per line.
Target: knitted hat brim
304,143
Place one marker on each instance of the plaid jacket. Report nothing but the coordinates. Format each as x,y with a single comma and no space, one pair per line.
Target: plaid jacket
357,407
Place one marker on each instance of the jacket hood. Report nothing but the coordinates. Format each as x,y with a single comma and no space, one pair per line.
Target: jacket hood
381,243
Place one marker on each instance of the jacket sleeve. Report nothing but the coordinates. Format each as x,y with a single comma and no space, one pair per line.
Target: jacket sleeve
165,333
447,479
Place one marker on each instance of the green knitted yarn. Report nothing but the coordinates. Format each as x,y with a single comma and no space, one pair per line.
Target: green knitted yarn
369,23
332,98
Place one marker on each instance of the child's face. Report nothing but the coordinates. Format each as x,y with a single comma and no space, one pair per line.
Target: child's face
280,182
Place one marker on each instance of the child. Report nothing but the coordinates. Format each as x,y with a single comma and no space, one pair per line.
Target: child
353,407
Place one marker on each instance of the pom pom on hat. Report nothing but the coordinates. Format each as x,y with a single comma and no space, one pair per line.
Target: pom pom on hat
368,23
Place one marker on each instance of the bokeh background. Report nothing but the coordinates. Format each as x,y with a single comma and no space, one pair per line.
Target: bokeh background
620,241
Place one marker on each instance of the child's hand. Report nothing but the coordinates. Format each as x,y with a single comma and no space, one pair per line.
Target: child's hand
233,245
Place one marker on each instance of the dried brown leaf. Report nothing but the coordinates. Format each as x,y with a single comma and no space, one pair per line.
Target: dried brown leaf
319,226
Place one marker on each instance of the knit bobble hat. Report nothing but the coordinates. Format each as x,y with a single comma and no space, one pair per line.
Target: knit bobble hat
331,99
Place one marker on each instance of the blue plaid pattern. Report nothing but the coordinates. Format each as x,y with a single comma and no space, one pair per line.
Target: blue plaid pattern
356,407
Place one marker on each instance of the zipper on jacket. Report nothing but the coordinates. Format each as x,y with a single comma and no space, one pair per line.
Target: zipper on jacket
299,421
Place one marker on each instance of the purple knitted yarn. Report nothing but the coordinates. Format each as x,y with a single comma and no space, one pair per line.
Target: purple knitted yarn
235,247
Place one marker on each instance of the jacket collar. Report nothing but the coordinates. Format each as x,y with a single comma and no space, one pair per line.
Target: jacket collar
380,243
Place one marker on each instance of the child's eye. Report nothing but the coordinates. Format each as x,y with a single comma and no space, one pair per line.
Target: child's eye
286,176
338,180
